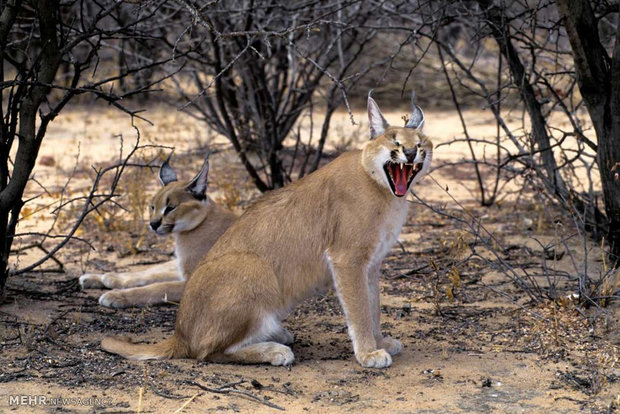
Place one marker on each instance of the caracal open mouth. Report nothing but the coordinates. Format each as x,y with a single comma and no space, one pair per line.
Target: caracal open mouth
400,175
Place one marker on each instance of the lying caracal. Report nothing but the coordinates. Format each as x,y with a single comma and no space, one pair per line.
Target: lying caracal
196,222
332,226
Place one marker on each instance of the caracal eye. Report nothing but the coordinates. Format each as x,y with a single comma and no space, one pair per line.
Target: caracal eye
152,207
397,143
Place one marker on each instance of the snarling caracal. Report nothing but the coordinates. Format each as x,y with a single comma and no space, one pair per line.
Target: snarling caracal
333,226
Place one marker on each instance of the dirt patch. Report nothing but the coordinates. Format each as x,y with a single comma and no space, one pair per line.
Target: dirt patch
476,355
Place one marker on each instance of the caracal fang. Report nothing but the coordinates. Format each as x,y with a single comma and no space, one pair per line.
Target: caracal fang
332,227
195,220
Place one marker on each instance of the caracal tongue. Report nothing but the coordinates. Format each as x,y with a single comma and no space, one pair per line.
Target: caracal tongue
400,179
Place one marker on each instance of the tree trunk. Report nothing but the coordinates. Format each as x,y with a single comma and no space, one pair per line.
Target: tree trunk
598,77
28,147
608,155
554,182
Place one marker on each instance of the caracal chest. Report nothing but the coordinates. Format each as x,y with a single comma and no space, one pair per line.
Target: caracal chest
389,230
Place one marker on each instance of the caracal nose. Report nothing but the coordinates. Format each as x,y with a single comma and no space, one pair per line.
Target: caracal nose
410,153
155,224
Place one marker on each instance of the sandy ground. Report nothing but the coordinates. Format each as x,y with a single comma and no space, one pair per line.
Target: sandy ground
476,345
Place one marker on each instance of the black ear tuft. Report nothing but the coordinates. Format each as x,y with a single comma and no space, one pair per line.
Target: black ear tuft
198,185
166,172
416,120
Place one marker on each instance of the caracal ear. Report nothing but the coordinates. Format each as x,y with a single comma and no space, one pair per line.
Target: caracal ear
166,172
198,185
416,120
378,124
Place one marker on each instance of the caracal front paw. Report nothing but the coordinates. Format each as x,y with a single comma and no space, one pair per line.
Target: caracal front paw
101,281
114,299
391,345
91,281
375,359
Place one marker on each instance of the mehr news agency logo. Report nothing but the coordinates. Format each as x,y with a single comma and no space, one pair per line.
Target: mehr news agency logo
42,400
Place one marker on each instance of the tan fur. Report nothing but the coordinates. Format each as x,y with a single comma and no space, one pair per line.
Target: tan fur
333,227
195,224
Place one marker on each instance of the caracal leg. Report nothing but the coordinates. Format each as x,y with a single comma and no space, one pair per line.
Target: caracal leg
351,282
393,346
154,294
261,353
163,272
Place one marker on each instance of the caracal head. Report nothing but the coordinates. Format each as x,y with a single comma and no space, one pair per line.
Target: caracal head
396,157
179,206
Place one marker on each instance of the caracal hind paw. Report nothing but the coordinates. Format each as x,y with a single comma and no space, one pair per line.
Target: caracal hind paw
281,355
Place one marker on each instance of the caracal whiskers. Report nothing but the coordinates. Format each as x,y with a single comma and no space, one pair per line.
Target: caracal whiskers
184,210
332,227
